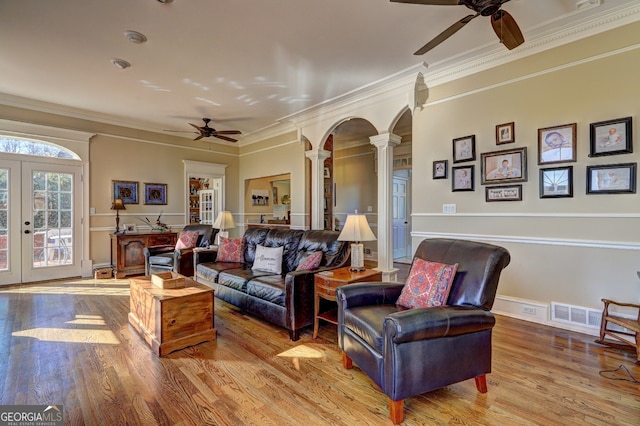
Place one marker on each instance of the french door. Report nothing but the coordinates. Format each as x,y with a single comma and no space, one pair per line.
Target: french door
40,221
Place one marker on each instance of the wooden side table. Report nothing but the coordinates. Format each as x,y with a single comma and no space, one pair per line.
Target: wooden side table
325,288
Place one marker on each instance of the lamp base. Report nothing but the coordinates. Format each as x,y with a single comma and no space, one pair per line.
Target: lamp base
357,257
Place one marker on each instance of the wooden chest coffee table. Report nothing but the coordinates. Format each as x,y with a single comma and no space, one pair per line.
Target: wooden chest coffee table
171,319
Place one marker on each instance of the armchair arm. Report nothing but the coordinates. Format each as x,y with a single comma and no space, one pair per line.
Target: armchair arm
436,322
155,250
203,255
368,294
613,302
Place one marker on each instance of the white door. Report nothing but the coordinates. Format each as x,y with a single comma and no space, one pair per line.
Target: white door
400,218
42,223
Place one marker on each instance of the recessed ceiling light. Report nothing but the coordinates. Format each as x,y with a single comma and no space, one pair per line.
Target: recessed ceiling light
135,37
120,63
165,1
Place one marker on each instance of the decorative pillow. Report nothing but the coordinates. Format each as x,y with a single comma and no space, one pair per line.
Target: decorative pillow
230,250
268,259
187,239
428,284
311,262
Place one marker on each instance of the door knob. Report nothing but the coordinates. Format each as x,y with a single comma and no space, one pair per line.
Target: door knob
26,231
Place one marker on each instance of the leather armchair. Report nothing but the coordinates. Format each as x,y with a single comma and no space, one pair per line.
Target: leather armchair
168,258
408,352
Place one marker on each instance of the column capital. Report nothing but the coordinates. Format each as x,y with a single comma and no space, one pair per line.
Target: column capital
385,139
320,154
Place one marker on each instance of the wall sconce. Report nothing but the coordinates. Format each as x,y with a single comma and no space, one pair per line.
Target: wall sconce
357,229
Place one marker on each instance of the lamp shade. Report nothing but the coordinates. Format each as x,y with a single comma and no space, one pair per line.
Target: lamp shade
118,204
356,228
224,221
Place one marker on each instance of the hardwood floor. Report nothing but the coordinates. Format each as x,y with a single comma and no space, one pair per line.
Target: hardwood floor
70,344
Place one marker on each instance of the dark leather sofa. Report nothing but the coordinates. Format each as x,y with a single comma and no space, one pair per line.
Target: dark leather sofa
285,299
168,258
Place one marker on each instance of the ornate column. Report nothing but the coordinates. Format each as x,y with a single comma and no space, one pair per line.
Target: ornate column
317,186
385,143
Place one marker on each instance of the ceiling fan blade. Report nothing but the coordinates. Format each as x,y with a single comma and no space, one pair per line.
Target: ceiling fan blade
179,131
445,34
433,2
507,29
197,127
228,132
225,138
198,137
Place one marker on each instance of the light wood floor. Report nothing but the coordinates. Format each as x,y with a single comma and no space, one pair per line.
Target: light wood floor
70,344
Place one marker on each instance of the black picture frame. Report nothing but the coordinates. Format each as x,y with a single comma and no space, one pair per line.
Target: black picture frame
440,169
557,144
503,193
506,166
556,182
464,149
611,137
612,178
462,178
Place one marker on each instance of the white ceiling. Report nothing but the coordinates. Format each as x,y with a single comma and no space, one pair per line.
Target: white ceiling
246,64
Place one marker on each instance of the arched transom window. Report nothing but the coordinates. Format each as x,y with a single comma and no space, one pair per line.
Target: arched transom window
14,145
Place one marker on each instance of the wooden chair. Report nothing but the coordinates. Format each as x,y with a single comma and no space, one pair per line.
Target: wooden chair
629,335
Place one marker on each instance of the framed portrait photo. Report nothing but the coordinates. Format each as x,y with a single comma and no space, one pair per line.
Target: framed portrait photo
464,149
611,137
126,190
557,144
509,165
462,178
503,193
155,193
612,179
556,182
440,169
505,133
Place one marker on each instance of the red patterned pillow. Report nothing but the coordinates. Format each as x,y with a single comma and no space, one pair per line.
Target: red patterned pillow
428,285
311,262
230,250
187,239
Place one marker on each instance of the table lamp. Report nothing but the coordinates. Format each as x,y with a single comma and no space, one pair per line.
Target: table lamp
356,229
118,205
223,222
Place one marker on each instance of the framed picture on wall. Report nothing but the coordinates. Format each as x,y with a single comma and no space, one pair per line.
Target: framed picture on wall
557,144
612,179
556,182
505,133
464,149
155,193
440,169
462,178
503,193
611,137
509,165
126,190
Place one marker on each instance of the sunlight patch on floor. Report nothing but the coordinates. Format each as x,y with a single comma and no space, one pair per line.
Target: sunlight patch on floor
72,334
79,287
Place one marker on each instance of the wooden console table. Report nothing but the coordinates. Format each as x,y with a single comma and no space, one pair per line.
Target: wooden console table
171,319
127,250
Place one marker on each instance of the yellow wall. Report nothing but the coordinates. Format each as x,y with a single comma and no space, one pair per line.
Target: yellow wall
569,250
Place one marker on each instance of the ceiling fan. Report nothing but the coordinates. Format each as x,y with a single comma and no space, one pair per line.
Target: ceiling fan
207,132
502,22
